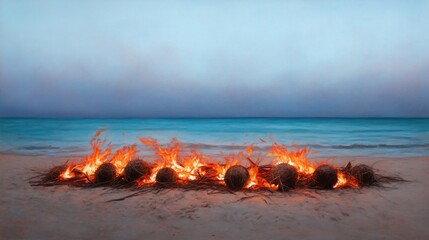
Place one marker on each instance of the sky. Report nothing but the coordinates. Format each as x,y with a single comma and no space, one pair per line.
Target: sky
214,58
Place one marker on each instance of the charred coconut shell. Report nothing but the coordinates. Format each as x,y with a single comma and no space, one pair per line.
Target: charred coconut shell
363,174
136,169
55,172
325,176
285,176
236,177
106,172
166,176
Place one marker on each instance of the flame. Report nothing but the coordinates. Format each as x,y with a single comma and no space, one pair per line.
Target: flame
249,150
96,158
191,165
99,156
343,181
230,160
189,168
67,174
123,156
297,159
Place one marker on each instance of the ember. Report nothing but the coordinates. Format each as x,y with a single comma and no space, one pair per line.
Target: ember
55,172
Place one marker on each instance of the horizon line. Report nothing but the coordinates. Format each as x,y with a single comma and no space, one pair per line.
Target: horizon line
372,117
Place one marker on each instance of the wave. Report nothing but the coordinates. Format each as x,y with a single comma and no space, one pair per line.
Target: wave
46,147
266,146
359,146
213,148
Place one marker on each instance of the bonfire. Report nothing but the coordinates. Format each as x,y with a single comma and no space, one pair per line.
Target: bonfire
177,167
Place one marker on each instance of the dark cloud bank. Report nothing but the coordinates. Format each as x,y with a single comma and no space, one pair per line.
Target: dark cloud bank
142,94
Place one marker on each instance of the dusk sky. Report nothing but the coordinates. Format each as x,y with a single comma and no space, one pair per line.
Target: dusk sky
214,58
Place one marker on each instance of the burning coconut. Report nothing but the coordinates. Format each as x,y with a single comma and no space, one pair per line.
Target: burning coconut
236,177
192,170
325,176
285,176
363,174
55,172
105,173
166,176
136,169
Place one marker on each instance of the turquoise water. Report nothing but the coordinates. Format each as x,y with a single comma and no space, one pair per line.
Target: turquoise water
328,137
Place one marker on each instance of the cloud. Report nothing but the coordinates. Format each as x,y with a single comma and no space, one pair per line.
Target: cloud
276,60
146,94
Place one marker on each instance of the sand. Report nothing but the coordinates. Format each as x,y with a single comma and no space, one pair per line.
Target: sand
398,212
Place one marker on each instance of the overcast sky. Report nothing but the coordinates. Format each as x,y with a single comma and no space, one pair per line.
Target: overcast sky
214,58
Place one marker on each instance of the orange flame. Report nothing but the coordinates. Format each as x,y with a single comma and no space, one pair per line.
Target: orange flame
189,168
99,156
249,150
343,181
96,158
191,165
297,159
123,156
67,174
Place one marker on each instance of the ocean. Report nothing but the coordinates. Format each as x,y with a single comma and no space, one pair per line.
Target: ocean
372,137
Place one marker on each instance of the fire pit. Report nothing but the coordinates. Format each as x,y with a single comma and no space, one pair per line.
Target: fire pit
192,170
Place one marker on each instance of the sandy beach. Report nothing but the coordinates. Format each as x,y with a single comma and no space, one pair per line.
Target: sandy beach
398,212
180,120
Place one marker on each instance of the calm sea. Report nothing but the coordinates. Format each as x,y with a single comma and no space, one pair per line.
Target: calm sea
327,137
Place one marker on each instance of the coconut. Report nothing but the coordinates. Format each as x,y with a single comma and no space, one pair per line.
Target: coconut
136,169
325,176
236,177
106,172
285,176
55,172
363,174
166,176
